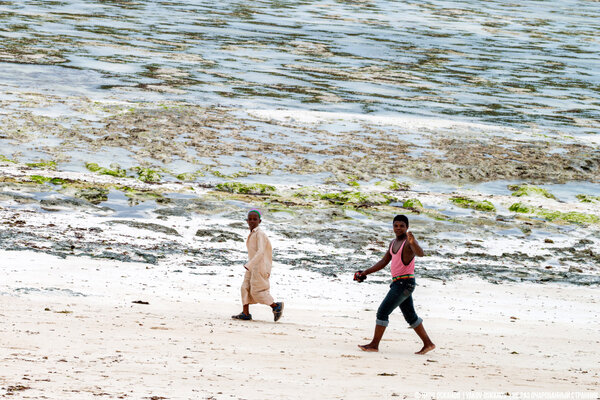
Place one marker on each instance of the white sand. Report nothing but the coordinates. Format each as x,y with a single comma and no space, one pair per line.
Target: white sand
183,345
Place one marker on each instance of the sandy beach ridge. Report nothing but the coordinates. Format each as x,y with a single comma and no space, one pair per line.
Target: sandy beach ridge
57,343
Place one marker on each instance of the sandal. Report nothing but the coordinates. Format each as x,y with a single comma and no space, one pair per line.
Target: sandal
245,317
278,311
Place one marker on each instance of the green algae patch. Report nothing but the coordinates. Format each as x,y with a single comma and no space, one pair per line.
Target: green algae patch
306,192
147,175
93,167
117,171
58,181
243,188
186,177
556,216
42,165
235,175
4,159
586,198
39,179
530,190
352,180
572,217
465,202
139,196
94,195
192,176
398,186
521,208
65,183
348,197
412,204
43,179
345,197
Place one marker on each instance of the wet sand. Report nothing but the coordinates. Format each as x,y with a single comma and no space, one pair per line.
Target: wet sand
70,331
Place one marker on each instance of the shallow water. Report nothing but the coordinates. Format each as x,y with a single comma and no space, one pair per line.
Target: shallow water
528,65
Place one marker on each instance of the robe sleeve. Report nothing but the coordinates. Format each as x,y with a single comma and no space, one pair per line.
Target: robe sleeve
260,252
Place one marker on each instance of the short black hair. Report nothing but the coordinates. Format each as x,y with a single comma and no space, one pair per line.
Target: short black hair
402,218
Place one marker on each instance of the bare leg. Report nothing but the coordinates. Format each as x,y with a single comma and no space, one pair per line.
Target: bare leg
427,343
246,309
374,345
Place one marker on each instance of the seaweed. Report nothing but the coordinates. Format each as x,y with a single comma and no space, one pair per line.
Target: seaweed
556,216
521,208
42,164
94,195
4,159
147,175
530,190
39,179
117,171
412,204
348,197
243,188
586,198
465,202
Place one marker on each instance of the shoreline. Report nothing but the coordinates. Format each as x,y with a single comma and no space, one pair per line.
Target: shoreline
498,338
523,234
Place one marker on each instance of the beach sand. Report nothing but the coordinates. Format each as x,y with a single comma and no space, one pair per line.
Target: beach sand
69,330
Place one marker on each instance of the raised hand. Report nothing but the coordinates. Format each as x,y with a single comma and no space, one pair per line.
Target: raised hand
412,242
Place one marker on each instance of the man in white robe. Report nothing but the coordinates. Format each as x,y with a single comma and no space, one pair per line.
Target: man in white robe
255,288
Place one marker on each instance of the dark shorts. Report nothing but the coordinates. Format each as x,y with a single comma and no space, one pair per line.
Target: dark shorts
400,295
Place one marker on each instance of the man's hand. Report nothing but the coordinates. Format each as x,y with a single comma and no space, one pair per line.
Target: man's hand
412,242
359,276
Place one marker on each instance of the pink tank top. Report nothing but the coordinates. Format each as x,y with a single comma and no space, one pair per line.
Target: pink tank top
399,270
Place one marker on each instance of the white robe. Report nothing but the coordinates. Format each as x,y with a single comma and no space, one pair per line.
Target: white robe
255,288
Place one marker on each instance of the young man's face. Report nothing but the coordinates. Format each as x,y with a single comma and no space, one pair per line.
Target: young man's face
253,220
400,228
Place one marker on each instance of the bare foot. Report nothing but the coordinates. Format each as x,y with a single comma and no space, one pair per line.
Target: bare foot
368,347
426,349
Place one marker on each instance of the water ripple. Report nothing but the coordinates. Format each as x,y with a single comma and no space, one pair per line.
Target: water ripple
526,64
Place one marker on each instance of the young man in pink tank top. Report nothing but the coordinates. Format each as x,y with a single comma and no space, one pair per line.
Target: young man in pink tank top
401,252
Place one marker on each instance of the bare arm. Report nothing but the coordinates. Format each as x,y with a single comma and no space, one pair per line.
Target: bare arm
380,264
